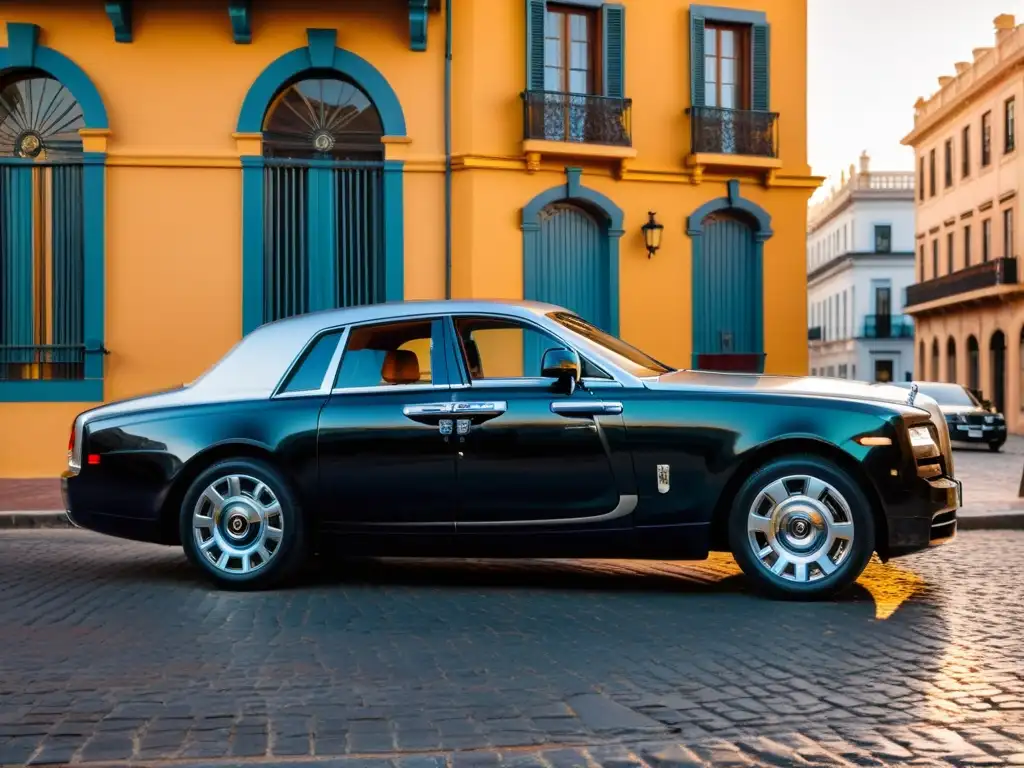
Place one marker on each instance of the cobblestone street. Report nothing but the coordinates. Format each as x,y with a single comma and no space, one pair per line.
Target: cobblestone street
115,651
991,480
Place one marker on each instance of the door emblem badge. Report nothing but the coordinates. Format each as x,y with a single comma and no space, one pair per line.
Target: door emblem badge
663,478
445,426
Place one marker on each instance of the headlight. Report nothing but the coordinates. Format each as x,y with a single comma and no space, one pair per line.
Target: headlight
924,442
959,418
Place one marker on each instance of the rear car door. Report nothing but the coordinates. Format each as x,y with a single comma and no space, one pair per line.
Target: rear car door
384,464
530,456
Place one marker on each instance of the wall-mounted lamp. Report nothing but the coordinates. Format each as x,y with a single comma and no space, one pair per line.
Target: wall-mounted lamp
652,234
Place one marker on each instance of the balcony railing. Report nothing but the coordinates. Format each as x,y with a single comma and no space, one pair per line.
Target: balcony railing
887,327
814,334
984,275
577,117
734,132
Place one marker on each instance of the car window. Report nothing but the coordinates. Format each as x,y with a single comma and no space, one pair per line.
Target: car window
309,374
501,348
386,355
626,355
948,394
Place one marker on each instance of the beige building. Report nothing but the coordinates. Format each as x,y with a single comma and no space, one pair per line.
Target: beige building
968,301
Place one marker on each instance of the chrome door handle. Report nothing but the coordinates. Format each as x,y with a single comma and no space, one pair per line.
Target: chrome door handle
481,408
586,408
427,409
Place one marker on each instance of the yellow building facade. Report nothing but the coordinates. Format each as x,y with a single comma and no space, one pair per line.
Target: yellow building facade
174,174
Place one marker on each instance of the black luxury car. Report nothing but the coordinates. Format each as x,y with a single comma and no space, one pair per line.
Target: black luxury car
969,419
509,429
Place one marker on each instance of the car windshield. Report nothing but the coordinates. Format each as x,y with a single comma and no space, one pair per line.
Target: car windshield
623,354
947,394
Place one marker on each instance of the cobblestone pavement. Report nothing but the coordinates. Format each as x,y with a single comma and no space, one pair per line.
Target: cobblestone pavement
991,480
112,651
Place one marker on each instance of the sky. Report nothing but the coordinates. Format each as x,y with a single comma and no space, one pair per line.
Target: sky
868,61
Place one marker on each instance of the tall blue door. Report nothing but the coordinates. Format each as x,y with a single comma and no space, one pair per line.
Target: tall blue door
727,289
567,265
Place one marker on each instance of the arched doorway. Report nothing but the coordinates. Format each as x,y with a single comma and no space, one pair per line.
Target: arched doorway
935,360
997,367
973,364
42,229
922,372
568,264
727,289
323,244
951,360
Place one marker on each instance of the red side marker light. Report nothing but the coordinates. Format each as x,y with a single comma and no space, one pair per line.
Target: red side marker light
94,458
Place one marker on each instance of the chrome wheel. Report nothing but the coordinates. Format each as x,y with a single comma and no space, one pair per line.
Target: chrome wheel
800,528
237,524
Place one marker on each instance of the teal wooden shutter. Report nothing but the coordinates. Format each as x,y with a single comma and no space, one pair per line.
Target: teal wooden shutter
760,70
613,26
696,60
535,12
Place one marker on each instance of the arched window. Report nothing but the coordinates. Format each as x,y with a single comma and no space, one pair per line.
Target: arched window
42,244
323,117
935,360
921,371
951,360
324,221
997,369
973,364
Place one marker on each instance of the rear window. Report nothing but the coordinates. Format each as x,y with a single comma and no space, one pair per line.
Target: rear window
309,374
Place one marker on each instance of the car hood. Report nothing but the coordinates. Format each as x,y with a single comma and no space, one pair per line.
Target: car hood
792,385
950,409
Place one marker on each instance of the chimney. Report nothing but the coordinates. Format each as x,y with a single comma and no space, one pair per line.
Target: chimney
945,80
1004,23
865,162
961,67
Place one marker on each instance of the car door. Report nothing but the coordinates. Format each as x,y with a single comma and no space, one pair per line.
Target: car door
384,463
530,456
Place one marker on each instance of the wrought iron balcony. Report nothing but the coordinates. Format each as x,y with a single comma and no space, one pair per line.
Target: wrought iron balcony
714,130
984,275
814,334
887,327
576,117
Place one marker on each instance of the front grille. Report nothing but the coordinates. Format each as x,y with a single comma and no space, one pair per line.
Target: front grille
976,419
943,525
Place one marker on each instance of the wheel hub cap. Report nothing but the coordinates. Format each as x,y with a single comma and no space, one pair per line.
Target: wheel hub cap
800,528
237,524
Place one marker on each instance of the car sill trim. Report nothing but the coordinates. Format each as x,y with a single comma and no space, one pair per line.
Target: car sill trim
625,507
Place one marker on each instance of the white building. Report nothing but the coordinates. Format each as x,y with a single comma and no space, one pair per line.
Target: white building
860,258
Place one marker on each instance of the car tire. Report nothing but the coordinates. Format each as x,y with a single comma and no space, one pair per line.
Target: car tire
995,447
242,525
807,514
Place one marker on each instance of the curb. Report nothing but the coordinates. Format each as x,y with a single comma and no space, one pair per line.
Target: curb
33,520
1008,520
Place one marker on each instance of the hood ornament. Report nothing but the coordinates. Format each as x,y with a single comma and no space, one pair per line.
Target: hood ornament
913,394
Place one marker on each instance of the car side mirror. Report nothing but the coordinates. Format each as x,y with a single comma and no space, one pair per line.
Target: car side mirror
564,366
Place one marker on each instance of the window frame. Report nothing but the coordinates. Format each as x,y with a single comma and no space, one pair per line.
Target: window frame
595,38
965,152
986,239
742,49
1009,125
947,171
921,178
935,257
932,184
280,391
950,250
440,374
1008,233
875,231
986,139
967,245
